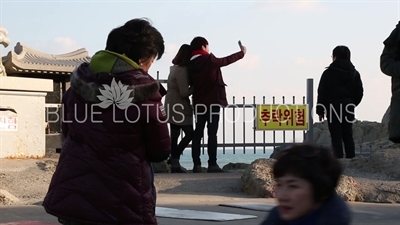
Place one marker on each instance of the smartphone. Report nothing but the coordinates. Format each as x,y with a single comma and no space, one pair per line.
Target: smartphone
240,43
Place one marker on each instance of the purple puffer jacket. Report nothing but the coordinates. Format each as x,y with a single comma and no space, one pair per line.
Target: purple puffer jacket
104,174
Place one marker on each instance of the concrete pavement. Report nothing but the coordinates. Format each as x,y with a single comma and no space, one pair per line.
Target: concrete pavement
202,192
364,213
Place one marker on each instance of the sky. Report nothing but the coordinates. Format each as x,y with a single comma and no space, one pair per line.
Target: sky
287,41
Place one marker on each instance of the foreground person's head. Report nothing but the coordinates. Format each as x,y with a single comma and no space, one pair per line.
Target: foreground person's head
138,40
306,176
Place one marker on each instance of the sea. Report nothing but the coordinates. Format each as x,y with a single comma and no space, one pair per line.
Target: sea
229,156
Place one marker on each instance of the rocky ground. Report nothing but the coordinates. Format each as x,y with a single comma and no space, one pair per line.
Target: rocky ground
25,182
372,178
375,178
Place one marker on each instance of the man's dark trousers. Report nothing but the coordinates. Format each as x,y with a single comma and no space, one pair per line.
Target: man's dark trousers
203,115
341,130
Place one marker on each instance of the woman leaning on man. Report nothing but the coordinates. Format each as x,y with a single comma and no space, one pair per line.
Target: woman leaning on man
178,107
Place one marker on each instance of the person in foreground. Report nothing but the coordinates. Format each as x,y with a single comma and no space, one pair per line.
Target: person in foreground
306,178
178,107
340,91
112,115
390,66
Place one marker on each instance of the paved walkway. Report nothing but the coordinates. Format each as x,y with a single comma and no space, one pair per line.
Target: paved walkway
364,214
204,192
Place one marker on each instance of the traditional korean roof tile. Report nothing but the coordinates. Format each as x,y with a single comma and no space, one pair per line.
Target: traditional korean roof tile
24,60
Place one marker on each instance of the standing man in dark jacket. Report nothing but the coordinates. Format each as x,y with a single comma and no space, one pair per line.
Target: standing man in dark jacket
208,97
340,91
390,65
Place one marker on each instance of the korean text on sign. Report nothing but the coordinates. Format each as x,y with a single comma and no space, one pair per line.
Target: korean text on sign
282,117
8,123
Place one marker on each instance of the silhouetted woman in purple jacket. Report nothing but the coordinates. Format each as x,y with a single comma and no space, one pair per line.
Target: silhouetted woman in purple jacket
114,129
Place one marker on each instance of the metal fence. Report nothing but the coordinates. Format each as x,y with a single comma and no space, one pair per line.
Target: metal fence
235,106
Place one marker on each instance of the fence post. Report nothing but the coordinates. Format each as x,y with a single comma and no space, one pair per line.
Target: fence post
310,103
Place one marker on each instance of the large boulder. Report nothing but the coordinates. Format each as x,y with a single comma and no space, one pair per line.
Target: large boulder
6,198
236,166
376,175
372,178
382,192
349,189
384,161
257,181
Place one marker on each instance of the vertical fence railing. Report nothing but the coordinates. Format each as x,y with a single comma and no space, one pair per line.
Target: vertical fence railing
310,102
255,143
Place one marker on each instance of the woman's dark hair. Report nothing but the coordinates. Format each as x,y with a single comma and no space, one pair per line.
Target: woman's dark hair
136,39
182,58
341,52
316,164
197,43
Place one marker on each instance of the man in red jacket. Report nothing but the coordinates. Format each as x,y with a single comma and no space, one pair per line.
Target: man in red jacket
208,97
